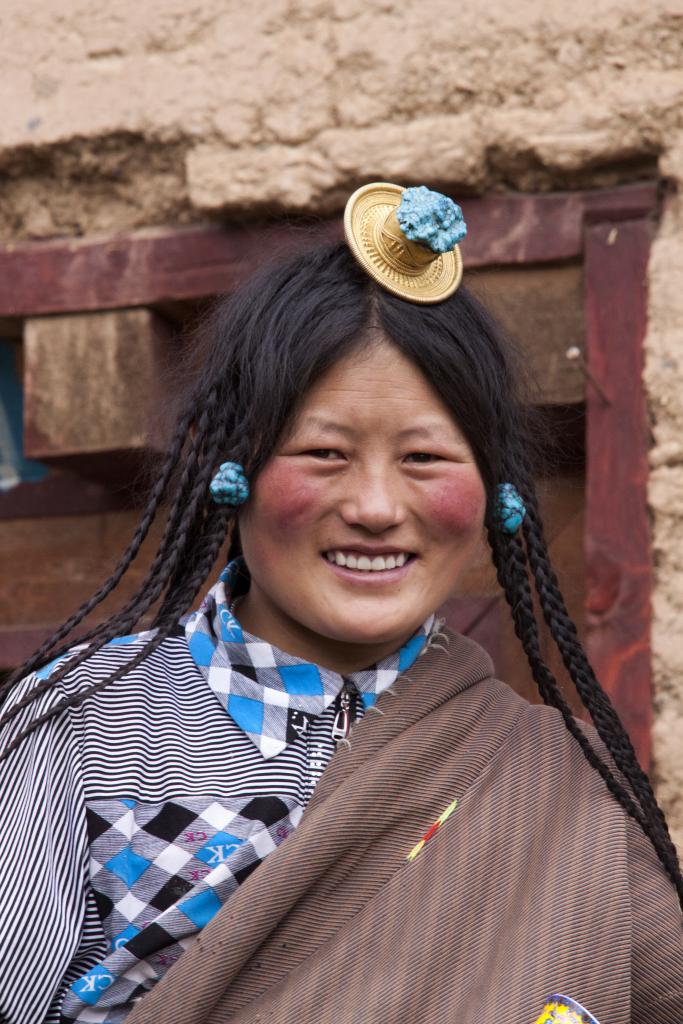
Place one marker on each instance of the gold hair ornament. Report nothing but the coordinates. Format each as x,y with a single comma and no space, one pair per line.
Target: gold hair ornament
406,239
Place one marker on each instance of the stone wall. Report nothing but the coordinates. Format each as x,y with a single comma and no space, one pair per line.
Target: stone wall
164,112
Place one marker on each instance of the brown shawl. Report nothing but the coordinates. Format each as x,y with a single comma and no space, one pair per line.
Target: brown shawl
537,883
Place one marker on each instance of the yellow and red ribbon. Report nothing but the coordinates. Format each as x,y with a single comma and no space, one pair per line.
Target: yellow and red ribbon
432,830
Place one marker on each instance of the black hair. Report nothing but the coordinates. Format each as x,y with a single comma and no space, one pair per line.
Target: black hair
264,348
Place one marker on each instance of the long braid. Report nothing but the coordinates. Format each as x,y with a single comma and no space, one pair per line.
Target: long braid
607,722
511,568
207,550
117,623
574,657
188,500
197,563
44,652
512,563
183,513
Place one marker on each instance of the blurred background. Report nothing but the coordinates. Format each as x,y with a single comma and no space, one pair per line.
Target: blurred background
152,155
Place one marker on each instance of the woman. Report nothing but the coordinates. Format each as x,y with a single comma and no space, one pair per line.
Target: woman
463,855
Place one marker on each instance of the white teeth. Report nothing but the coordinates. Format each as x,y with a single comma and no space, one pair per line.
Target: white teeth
365,564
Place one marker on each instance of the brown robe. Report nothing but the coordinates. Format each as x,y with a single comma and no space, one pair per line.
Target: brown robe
537,883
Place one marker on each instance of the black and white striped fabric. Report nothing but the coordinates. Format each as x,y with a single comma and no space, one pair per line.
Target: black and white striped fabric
117,814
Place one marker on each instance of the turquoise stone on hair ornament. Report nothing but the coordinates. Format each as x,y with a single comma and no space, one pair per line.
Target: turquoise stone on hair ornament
430,218
406,239
510,509
229,486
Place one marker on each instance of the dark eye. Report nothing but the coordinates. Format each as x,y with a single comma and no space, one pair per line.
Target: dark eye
422,457
324,453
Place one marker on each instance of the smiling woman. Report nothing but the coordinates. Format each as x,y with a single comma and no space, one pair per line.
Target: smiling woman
306,801
359,526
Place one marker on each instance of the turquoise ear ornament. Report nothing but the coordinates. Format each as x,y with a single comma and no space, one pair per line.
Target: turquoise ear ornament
510,509
230,486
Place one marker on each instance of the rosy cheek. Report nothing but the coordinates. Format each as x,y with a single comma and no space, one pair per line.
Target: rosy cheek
287,497
457,505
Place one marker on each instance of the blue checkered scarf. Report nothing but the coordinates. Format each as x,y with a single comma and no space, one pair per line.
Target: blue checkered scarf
271,695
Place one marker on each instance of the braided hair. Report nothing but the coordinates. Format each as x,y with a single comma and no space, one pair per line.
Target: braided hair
261,350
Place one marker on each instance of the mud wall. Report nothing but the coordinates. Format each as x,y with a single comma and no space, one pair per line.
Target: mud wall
143,113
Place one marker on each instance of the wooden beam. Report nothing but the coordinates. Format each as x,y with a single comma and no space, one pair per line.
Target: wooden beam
144,269
172,264
618,552
520,228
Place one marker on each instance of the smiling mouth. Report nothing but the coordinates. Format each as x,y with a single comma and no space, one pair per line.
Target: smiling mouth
368,563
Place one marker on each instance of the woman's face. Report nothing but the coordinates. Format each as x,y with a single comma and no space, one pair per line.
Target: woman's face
361,522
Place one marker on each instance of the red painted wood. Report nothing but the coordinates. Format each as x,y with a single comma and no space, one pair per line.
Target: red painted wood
618,552
152,267
520,228
17,645
65,494
173,264
478,618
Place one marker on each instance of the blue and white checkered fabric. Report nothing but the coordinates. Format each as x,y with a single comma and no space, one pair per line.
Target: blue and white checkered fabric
159,873
271,695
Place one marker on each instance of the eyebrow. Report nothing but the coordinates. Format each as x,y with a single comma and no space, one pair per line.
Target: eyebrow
328,426
428,432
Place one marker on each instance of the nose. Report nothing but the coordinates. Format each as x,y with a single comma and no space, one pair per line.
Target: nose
373,500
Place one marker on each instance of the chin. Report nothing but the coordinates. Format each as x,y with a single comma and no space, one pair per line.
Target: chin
362,632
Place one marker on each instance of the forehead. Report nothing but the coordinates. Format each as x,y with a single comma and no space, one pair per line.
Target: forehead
375,385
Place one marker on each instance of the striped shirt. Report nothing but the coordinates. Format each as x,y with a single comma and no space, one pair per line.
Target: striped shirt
120,811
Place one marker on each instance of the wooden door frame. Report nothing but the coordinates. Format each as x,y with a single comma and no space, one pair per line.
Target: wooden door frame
608,230
618,550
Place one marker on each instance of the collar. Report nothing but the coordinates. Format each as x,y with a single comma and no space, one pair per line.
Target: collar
271,695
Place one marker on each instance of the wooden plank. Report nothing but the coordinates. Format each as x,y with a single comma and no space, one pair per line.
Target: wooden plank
542,309
171,264
618,552
49,572
93,382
